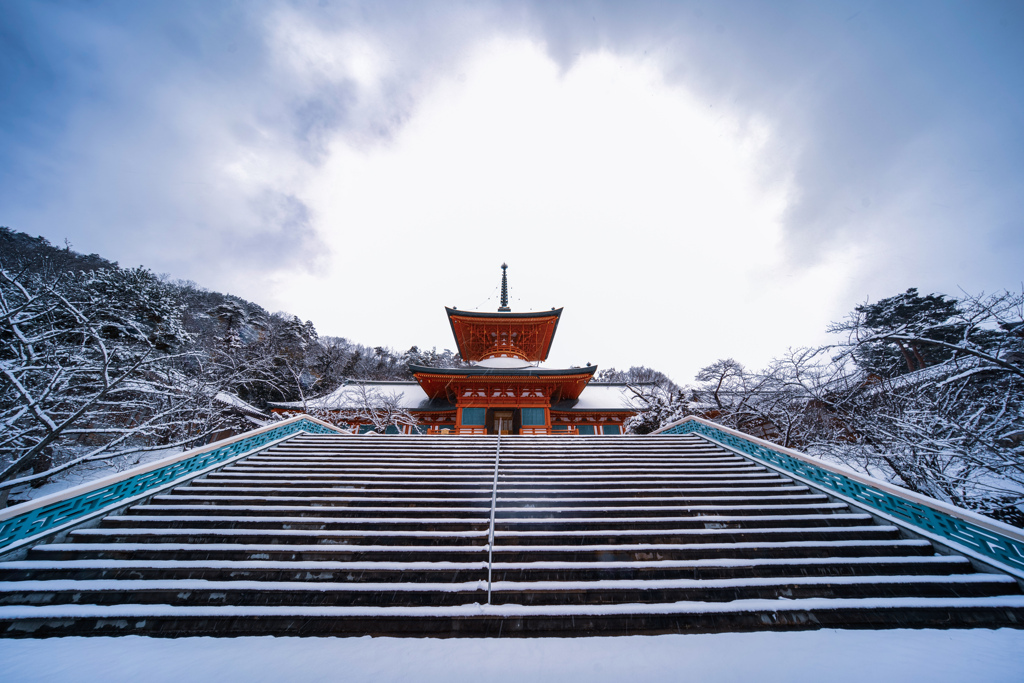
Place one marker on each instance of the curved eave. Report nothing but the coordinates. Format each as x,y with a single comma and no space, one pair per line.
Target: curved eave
556,312
451,382
482,317
503,372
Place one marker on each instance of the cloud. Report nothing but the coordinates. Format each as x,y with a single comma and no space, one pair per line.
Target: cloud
603,187
267,148
879,108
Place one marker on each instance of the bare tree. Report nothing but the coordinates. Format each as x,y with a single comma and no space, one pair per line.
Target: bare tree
93,367
382,410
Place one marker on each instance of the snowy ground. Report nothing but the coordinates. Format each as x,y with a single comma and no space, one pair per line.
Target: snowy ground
821,656
88,472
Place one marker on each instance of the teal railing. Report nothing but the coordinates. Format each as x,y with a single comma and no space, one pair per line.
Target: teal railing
976,534
20,524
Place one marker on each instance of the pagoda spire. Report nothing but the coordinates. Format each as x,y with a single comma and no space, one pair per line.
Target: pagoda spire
504,290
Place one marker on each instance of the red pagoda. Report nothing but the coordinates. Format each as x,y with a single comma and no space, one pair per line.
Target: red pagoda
504,390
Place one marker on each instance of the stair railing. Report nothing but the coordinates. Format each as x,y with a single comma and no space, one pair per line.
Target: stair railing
964,531
494,505
28,523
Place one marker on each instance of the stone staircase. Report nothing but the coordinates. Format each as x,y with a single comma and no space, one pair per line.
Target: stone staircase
344,535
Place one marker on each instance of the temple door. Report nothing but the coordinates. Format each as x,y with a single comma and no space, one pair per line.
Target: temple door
503,421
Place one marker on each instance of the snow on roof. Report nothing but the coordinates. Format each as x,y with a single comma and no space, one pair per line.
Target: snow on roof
350,396
596,396
242,406
504,362
602,396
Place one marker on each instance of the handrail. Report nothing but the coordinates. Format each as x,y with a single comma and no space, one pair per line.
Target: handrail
971,533
22,524
494,505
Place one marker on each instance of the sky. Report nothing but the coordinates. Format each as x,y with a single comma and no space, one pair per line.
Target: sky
689,180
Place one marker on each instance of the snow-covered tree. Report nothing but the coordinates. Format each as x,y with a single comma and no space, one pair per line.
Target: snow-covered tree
954,427
90,364
381,409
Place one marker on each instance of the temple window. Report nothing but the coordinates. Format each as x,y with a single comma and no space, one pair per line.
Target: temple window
533,417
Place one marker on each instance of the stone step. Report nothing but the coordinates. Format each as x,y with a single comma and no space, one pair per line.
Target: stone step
454,572
511,620
192,592
346,501
347,535
255,521
527,494
214,508
464,552
453,459
350,537
624,512
641,508
582,486
390,536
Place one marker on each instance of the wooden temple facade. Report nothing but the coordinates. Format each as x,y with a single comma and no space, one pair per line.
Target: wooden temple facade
504,389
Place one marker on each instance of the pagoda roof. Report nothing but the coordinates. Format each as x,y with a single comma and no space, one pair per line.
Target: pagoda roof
481,334
554,312
595,397
479,371
450,382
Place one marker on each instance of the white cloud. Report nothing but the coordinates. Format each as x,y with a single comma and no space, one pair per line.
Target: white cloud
314,55
690,183
607,190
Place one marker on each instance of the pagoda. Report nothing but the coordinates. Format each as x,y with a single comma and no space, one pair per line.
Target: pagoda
504,390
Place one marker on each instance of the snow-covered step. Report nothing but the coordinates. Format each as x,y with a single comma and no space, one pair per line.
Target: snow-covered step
208,508
200,592
717,493
509,620
415,572
286,497
742,506
794,495
300,536
390,484
472,569
198,488
232,479
254,520
697,521
349,535
621,552
529,495
166,506
428,552
691,535
655,538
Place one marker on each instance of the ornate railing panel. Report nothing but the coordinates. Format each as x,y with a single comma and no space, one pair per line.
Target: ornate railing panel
21,522
988,538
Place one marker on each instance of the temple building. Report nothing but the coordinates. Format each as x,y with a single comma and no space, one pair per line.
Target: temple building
503,390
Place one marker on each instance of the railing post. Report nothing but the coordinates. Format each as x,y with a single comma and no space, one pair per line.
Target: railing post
490,532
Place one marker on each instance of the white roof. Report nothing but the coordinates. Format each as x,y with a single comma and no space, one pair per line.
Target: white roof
504,362
601,396
235,402
350,396
596,396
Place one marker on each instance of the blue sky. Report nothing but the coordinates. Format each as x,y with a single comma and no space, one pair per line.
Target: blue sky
728,177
